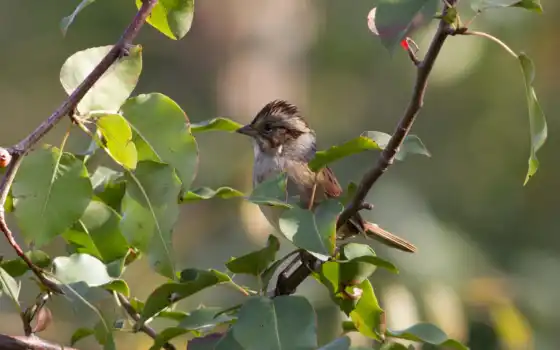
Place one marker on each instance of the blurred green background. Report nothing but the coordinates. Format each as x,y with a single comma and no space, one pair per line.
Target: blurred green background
488,263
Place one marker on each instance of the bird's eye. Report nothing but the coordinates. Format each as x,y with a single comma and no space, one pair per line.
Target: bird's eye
267,127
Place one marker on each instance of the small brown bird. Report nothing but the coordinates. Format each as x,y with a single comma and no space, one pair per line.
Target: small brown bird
283,142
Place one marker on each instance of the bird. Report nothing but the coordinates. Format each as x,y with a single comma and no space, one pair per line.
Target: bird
283,142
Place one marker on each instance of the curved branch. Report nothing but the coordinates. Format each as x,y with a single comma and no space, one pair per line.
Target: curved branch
288,284
19,150
29,343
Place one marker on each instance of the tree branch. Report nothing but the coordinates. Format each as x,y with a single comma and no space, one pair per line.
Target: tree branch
19,150
29,343
134,315
288,284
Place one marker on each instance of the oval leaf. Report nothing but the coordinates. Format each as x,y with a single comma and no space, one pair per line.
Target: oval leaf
285,322
113,88
429,334
163,125
97,233
81,268
216,124
67,21
396,19
150,210
537,120
271,191
192,281
207,193
256,262
531,5
171,17
334,153
411,144
9,286
313,231
80,334
367,315
118,137
51,192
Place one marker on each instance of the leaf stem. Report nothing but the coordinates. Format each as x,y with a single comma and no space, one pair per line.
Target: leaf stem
493,38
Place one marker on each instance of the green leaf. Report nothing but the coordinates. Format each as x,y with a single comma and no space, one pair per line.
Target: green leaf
537,120
104,335
205,319
531,5
97,233
119,286
51,192
368,315
285,322
271,191
67,21
17,267
118,137
192,281
411,144
360,262
163,125
312,231
393,346
171,17
342,343
349,193
334,153
80,334
396,19
166,335
9,286
113,88
109,186
365,312
215,341
256,262
81,268
207,193
429,334
150,211
216,124
267,274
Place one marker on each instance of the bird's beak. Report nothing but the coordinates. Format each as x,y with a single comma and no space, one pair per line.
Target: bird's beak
247,130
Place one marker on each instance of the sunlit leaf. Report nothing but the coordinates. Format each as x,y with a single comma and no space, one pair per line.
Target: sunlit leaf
67,21
216,124
163,125
51,191
172,17
97,233
80,334
81,268
537,120
192,281
429,334
531,5
118,137
205,319
271,191
150,210
342,343
113,88
256,262
285,322
9,286
411,144
396,19
17,267
202,193
119,286
312,231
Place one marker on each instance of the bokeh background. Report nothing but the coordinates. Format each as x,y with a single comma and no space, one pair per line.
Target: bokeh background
488,266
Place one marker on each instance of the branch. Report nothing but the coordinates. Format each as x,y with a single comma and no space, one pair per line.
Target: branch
19,150
134,315
28,343
288,283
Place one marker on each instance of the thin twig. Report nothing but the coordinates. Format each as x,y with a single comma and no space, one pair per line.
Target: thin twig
491,37
289,284
19,150
136,317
